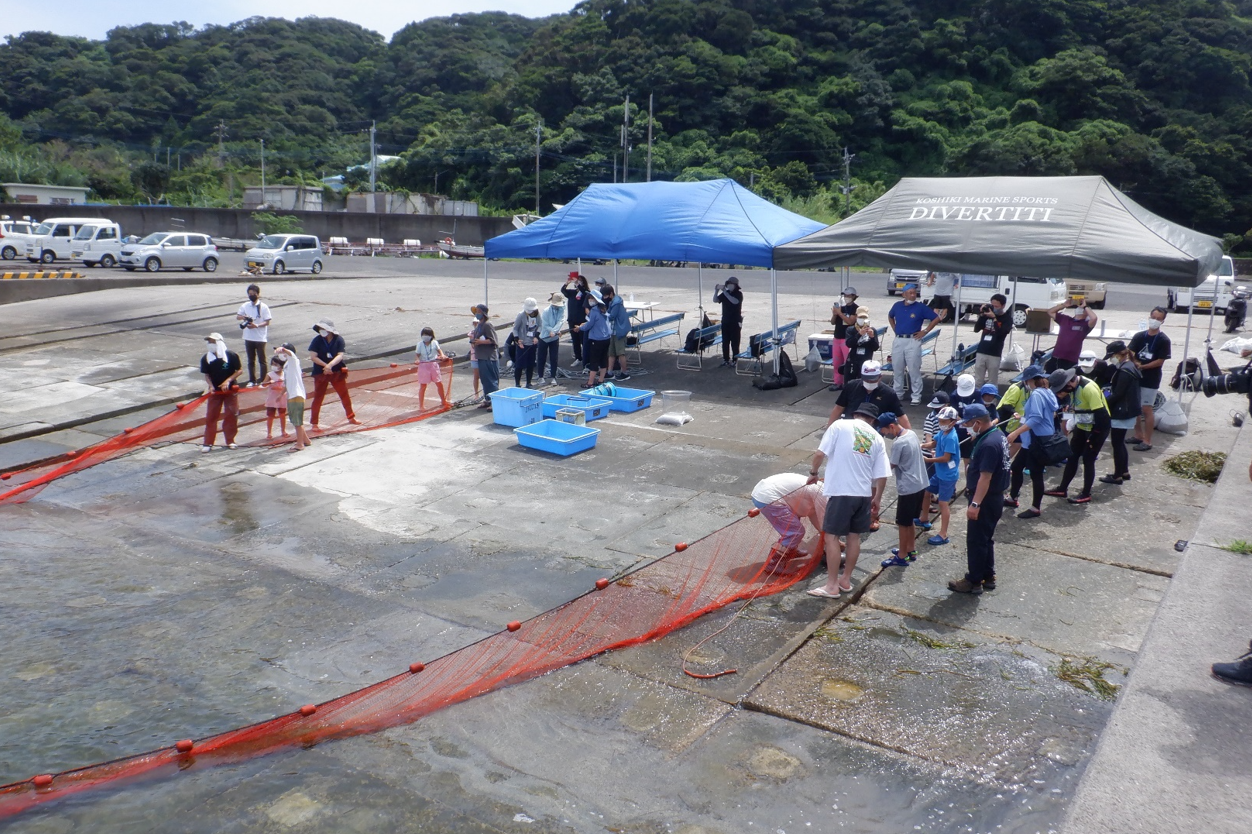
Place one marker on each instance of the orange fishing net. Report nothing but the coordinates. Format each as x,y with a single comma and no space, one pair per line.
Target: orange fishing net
381,397
645,604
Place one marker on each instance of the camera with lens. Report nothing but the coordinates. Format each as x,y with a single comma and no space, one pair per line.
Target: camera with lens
1237,382
247,320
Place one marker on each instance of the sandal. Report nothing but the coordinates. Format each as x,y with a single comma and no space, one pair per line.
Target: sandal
820,591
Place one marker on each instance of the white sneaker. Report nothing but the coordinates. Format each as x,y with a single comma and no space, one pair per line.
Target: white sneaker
231,446
204,450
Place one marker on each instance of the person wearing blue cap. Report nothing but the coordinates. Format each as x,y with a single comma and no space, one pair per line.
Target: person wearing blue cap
1038,420
910,322
989,477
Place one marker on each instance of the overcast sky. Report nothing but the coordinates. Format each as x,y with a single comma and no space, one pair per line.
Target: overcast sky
94,18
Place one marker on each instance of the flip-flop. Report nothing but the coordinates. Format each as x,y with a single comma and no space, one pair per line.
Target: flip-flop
820,591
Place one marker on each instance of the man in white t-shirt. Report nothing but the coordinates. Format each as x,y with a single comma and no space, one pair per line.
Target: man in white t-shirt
786,500
254,321
854,486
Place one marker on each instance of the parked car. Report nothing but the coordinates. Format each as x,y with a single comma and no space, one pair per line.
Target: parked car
1214,294
1024,293
286,253
14,234
98,245
54,239
1095,292
897,278
162,250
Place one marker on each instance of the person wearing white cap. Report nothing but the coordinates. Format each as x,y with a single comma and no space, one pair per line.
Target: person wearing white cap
526,336
329,369
861,341
221,367
868,389
842,314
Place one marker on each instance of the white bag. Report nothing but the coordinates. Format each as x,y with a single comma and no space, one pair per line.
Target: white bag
1014,359
1170,418
813,360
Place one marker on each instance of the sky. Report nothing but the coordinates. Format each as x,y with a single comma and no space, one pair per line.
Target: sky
94,18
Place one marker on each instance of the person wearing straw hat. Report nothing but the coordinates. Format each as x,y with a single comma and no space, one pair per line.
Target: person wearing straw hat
549,348
221,367
329,369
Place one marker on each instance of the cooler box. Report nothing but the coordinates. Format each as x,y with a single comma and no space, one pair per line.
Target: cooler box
624,399
557,438
823,343
593,407
516,407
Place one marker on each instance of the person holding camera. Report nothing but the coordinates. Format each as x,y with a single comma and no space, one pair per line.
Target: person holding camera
254,321
1075,325
731,299
842,316
860,343
994,323
1151,349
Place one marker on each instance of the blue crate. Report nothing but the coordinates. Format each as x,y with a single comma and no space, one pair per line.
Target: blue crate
624,399
556,437
592,407
515,407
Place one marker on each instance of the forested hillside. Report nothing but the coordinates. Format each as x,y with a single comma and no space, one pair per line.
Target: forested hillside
1154,95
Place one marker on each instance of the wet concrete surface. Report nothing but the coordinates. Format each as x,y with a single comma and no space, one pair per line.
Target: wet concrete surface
169,594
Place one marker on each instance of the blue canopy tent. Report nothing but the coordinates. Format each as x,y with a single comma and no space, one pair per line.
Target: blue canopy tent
716,221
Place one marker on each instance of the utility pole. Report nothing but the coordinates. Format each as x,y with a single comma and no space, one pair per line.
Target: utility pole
649,137
626,141
373,159
847,182
221,140
263,201
538,137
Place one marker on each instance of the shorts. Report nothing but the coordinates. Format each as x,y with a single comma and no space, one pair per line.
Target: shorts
275,411
617,346
295,412
1147,396
1124,424
596,354
909,507
847,514
474,364
942,490
942,302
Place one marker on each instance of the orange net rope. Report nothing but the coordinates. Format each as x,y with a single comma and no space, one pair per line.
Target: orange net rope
380,397
650,602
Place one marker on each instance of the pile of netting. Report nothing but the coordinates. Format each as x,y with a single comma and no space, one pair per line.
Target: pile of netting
643,605
381,397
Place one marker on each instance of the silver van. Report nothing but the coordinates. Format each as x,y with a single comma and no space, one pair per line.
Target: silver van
162,250
286,253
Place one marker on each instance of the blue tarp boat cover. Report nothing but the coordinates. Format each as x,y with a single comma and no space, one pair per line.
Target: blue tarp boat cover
717,221
1047,227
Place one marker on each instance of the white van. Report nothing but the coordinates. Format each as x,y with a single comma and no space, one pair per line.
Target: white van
286,253
98,245
1213,295
1023,293
54,239
14,234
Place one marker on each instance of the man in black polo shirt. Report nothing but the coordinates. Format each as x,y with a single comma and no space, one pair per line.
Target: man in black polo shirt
221,368
988,477
993,326
868,389
329,368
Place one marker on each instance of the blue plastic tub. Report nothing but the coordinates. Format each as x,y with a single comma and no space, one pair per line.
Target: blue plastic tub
593,408
624,399
556,437
514,407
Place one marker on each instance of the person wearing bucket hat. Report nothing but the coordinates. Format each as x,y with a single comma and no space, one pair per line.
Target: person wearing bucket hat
988,477
731,299
221,367
329,370
966,394
855,479
842,315
1123,398
946,460
526,336
486,352
597,333
548,353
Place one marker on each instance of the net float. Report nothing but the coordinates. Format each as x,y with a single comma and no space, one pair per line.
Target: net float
307,710
184,746
416,667
601,584
514,626
395,364
754,512
680,547
43,780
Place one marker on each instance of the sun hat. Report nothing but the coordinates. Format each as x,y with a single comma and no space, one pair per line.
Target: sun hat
327,325
851,291
872,369
732,280
948,413
940,399
479,310
1061,377
862,311
556,300
867,410
214,337
530,305
964,385
975,411
600,282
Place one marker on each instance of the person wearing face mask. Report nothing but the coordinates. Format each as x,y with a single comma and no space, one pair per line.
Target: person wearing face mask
1038,420
221,368
1150,349
1123,400
1074,327
842,316
1092,422
619,329
550,319
910,322
254,321
860,343
576,292
329,370
526,336
429,353
994,323
293,382
868,389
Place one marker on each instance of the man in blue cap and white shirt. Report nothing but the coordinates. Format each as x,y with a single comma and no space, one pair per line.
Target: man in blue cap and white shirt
910,321
988,476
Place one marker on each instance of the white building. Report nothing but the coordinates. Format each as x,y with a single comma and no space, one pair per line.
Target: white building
283,197
46,195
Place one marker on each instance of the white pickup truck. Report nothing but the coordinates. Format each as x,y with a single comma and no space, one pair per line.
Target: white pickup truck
1213,295
54,239
1023,294
97,245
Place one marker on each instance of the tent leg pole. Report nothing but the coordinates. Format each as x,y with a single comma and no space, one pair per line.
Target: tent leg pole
773,283
956,317
1186,343
700,293
485,284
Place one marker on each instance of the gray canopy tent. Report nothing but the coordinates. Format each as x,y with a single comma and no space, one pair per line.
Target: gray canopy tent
1046,227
